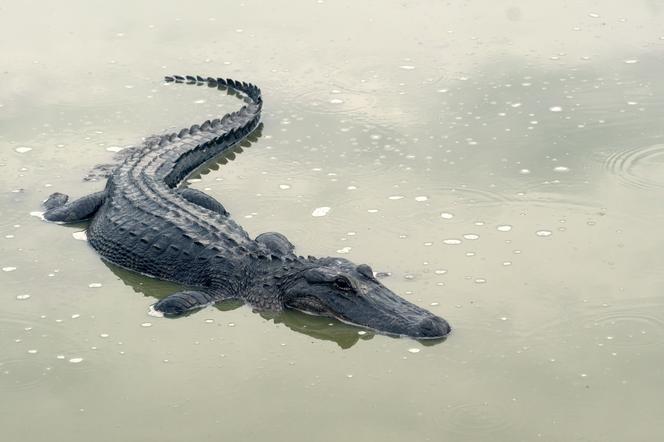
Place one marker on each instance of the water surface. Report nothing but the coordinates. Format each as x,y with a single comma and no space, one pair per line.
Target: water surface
502,161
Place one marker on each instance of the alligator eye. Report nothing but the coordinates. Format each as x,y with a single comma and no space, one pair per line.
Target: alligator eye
343,284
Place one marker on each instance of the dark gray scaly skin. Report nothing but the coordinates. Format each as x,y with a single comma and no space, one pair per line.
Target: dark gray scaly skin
145,222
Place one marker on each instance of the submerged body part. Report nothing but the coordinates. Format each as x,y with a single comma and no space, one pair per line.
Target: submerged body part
146,222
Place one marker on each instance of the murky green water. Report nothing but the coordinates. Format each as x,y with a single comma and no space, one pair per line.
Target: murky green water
503,160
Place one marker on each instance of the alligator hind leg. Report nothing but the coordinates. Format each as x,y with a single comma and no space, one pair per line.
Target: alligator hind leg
276,242
182,302
59,210
204,200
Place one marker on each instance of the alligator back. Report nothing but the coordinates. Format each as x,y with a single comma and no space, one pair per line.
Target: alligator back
147,224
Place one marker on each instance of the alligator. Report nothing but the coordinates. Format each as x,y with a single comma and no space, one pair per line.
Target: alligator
147,221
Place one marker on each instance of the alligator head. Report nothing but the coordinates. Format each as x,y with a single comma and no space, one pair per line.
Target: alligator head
337,288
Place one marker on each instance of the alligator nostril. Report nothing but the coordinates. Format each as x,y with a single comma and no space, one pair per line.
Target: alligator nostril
434,327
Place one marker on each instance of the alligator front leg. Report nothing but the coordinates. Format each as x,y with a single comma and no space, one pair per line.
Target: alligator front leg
182,302
58,210
204,200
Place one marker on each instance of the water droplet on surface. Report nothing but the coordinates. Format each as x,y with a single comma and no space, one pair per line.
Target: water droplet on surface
452,241
446,215
407,67
22,297
146,324
76,360
23,149
555,109
419,199
504,228
8,269
344,250
81,235
320,211
94,285
471,236
413,350
561,169
395,197
631,61
543,233
284,186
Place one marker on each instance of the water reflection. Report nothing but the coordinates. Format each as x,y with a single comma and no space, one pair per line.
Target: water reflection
318,327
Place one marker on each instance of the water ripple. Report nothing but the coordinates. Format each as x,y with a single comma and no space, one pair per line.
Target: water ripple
640,167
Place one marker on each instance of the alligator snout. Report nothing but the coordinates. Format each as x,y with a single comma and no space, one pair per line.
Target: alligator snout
433,327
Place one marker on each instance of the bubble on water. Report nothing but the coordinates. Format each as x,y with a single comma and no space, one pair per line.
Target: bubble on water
284,186
561,169
434,304
524,171
480,281
593,15
8,269
375,136
543,233
507,263
631,61
413,350
209,321
75,360
351,188
23,149
372,210
320,211
395,197
407,67
81,235
9,236
201,101
33,351
104,335
504,228
419,199
22,297
146,324
446,215
94,285
440,271
344,250
452,241
114,148
39,215
336,101
60,356
361,332
231,324
555,109
471,236
75,316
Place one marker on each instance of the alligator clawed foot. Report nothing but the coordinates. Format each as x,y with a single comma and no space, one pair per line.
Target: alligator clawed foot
180,303
56,199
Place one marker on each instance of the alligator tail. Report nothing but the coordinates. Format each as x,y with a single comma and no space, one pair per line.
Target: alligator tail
221,133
